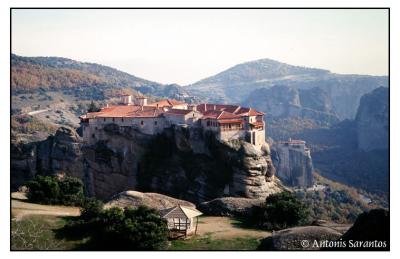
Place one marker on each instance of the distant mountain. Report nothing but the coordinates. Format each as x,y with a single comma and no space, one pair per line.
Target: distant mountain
280,102
55,73
237,84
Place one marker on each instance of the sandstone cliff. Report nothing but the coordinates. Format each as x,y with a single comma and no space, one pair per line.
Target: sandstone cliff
372,120
294,168
183,163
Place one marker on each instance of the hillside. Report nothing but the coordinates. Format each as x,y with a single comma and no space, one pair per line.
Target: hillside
54,73
53,92
236,84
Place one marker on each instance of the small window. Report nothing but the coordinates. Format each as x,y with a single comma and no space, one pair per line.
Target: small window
104,119
155,122
122,119
113,119
141,122
208,123
93,136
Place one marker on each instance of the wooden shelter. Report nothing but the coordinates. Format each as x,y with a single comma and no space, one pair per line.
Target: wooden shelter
181,220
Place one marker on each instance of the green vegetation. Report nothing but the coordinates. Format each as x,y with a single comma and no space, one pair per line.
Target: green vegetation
56,190
29,125
93,107
39,232
281,210
337,202
118,229
208,243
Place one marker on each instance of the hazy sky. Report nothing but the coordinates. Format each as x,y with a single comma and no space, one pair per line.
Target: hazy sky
183,46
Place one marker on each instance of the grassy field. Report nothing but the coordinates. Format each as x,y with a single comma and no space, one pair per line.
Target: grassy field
209,243
39,232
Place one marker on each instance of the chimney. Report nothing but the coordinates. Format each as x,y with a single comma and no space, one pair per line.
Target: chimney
205,107
107,105
141,107
215,107
157,106
126,99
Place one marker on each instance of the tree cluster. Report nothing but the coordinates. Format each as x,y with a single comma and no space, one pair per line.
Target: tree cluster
281,210
56,190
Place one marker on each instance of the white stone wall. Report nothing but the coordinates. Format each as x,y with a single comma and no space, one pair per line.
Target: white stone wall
93,132
231,134
189,118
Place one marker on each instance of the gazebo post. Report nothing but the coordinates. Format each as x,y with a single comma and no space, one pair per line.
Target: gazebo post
197,222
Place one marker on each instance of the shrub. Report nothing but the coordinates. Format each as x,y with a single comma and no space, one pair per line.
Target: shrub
93,107
133,229
91,208
280,211
71,191
44,189
52,190
119,229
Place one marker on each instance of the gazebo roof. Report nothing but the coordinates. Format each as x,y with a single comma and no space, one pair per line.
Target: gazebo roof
180,212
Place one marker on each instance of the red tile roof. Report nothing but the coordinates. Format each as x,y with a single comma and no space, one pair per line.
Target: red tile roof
178,111
166,103
129,111
235,109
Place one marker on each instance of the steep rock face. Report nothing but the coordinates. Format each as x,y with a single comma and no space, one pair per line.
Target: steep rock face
60,153
183,163
372,120
288,102
192,165
293,167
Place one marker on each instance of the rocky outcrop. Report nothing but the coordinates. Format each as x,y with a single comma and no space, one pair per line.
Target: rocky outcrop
57,154
135,199
229,206
293,167
370,226
299,238
372,120
282,101
193,165
183,163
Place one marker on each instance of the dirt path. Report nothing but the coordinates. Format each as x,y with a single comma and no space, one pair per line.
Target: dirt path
224,227
19,209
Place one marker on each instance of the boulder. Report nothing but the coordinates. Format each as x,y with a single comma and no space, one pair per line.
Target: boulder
372,228
152,200
299,238
229,206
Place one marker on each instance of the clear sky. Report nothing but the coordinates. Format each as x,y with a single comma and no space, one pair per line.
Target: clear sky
184,46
